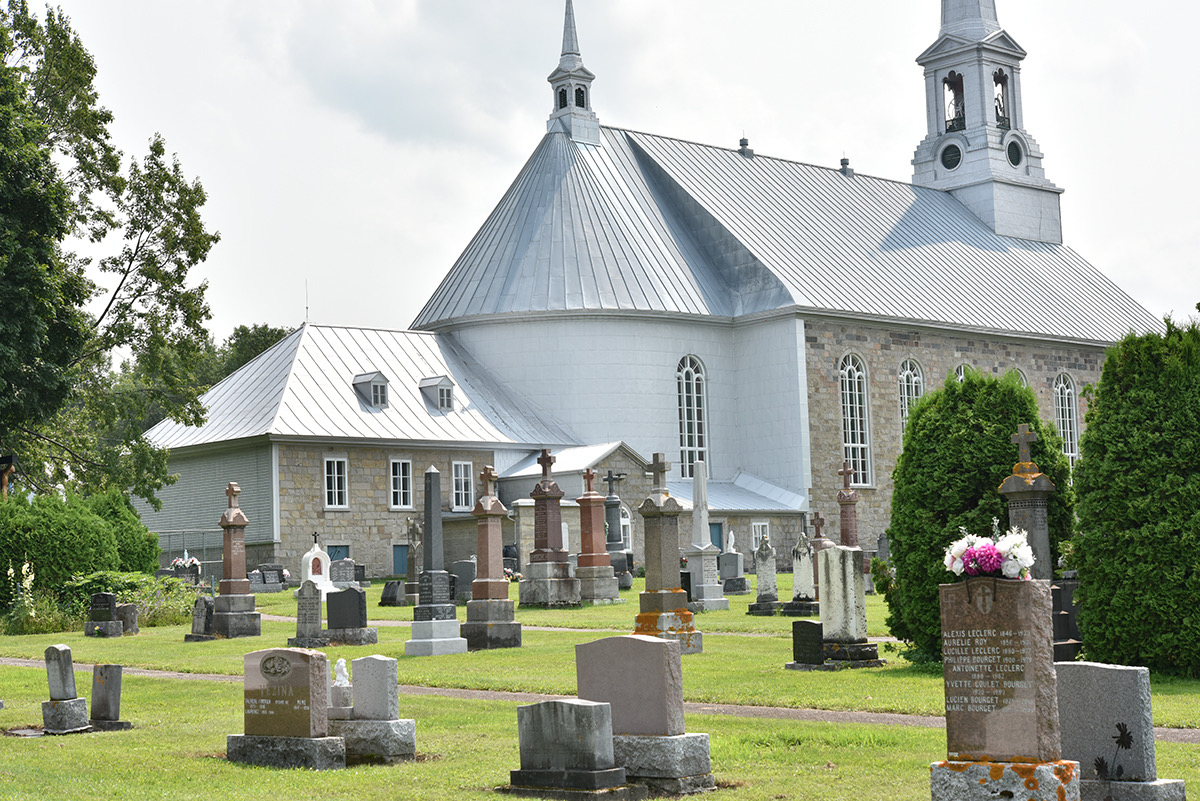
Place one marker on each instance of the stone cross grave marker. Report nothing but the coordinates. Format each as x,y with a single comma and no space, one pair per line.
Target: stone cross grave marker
1023,439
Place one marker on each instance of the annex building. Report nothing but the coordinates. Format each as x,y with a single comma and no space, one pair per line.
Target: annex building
633,293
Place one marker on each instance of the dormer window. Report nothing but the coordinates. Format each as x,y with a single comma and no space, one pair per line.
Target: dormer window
438,392
956,107
580,97
373,389
1003,120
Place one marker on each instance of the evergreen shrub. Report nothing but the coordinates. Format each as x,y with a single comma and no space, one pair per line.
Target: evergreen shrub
1138,547
165,601
957,451
137,548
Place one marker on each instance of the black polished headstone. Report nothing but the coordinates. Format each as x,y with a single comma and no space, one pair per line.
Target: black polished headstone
807,647
393,594
347,609
104,607
271,573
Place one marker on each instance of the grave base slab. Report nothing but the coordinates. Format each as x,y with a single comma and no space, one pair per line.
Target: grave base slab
764,608
671,626
625,580
237,622
549,585
307,642
200,638
987,781
376,742
111,725
678,764
363,636
843,664
568,779
800,609
103,628
851,652
598,585
1160,790
310,753
487,636
65,717
626,792
736,586
434,638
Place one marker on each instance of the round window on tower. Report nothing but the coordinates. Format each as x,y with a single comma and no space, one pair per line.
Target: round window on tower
951,157
1014,154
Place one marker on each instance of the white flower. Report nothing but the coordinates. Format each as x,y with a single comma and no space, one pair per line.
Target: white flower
1011,568
1024,555
958,547
1008,543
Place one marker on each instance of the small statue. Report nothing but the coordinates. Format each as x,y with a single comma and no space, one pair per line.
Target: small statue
730,548
343,677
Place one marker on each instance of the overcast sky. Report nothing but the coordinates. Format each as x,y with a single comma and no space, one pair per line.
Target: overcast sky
354,148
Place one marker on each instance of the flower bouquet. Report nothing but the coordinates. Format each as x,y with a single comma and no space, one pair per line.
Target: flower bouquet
184,562
1001,556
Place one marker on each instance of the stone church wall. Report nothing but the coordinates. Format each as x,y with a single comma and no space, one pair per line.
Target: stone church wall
939,353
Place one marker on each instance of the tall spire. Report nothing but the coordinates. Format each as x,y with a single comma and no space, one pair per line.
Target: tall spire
572,86
973,20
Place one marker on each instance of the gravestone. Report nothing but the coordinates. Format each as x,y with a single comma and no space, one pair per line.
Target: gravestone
614,542
598,583
341,573
1028,493
1002,726
567,746
256,581
393,594
804,592
767,602
435,627
272,577
731,566
202,615
102,617
1067,638
662,607
847,499
548,582
374,732
128,615
308,618
65,712
808,647
1093,700
490,620
347,612
315,566
844,609
705,590
360,576
233,609
464,575
642,678
286,712
106,699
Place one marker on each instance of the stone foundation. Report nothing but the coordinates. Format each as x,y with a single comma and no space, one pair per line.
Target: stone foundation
674,765
489,625
549,585
376,742
800,609
310,753
65,717
103,628
598,585
434,638
363,636
234,616
1158,790
987,781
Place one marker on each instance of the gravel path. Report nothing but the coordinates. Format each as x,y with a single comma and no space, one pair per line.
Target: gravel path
1161,733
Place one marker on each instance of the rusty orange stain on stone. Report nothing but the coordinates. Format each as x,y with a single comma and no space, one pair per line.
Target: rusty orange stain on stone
1065,771
997,771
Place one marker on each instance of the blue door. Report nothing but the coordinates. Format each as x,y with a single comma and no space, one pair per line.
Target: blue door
337,552
714,533
399,560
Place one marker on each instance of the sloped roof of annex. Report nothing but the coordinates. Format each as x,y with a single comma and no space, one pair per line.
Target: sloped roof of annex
650,224
302,388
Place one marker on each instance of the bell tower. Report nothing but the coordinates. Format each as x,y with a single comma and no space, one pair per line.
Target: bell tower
977,147
572,86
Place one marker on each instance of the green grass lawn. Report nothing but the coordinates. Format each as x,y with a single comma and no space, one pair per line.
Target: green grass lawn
465,748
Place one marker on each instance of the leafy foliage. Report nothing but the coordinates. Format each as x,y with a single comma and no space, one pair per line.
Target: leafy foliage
164,601
1138,480
59,401
957,450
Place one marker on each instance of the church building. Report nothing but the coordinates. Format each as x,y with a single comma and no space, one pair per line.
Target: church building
633,294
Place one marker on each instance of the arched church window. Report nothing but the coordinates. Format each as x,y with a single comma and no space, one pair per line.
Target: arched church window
1003,120
693,436
956,106
580,97
562,98
856,444
1066,415
960,373
912,386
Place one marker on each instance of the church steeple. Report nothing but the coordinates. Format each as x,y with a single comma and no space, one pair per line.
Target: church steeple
571,83
977,147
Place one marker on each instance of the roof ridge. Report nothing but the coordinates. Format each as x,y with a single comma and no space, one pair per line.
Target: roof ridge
287,381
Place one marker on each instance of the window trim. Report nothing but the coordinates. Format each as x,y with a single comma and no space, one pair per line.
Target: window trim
691,385
460,493
854,392
1066,415
393,491
330,479
445,399
757,529
911,389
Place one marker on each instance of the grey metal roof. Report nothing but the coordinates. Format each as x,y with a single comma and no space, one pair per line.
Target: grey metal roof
303,387
649,223
745,493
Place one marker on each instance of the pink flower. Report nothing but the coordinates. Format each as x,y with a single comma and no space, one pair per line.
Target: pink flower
988,558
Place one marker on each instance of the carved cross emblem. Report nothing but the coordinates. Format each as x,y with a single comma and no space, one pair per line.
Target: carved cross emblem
488,476
545,460
846,472
1023,439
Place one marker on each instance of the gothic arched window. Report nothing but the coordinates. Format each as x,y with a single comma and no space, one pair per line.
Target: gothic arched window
1003,117
912,386
693,438
856,444
956,107
580,97
562,98
1066,415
